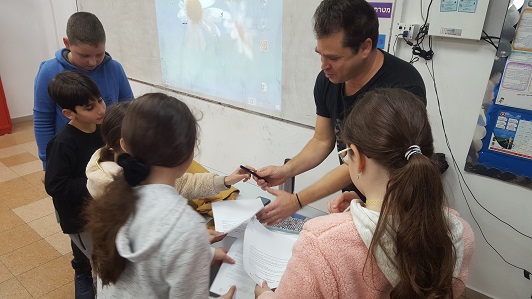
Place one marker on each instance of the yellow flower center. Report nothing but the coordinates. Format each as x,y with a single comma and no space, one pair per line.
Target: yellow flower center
194,11
240,29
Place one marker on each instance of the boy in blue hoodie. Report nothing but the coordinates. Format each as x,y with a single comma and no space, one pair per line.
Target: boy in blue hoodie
84,52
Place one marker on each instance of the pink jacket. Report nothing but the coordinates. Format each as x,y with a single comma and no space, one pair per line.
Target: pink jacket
328,261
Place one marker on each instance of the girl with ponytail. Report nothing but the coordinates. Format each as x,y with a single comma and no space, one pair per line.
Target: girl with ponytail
148,242
102,167
404,242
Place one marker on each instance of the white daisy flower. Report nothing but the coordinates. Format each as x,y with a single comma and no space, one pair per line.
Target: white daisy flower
238,27
200,17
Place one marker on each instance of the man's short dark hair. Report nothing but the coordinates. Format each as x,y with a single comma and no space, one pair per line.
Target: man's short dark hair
70,89
85,28
356,18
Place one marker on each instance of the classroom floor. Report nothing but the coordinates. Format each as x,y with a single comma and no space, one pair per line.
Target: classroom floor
34,254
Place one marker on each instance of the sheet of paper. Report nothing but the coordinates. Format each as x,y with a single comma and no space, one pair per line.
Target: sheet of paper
238,233
234,274
266,253
230,214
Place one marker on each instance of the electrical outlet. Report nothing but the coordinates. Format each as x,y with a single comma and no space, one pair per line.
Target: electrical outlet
407,31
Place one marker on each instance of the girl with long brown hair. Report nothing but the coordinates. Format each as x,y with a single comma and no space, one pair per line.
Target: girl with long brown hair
404,242
148,242
102,167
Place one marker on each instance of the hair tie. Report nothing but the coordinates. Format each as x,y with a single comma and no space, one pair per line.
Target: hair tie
134,170
414,149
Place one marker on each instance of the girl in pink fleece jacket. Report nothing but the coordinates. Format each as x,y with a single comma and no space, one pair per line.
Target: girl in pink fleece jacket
403,242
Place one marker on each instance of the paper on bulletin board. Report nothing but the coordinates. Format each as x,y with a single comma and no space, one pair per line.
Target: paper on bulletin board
512,135
523,34
515,89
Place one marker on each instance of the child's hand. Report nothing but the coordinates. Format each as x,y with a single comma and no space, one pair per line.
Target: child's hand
215,236
238,175
341,202
220,256
229,294
261,289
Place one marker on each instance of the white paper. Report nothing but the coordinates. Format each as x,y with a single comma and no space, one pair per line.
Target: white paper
234,274
230,214
238,233
266,253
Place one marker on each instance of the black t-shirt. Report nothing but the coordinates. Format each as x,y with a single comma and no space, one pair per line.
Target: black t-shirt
331,102
394,73
67,155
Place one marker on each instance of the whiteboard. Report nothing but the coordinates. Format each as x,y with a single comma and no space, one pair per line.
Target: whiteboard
132,39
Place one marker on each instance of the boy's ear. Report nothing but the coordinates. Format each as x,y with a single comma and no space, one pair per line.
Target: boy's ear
68,113
66,42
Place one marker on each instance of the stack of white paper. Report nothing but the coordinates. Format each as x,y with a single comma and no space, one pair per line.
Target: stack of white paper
259,254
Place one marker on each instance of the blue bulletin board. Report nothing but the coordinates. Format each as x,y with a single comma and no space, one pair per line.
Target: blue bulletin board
502,142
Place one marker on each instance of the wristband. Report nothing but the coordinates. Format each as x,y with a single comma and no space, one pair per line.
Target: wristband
298,201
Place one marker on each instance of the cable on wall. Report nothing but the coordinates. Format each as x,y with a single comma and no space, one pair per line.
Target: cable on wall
459,172
489,39
418,49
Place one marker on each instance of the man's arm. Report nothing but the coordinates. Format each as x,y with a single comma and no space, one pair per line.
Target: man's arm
333,181
314,152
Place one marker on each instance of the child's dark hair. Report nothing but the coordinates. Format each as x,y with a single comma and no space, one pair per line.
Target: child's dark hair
157,130
383,125
111,130
70,89
85,28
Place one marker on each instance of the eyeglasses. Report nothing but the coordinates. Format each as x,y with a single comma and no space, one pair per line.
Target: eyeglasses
344,156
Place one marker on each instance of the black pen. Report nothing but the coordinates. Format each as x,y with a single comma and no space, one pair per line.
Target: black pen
253,173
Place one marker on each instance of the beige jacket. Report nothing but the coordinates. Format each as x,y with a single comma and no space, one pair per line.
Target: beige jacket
190,186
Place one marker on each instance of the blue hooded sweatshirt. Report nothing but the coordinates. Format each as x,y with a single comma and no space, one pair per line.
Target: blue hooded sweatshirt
47,117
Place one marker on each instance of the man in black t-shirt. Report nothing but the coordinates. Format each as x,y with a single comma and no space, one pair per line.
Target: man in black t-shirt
347,33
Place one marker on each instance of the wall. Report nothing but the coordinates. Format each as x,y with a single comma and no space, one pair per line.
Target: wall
31,32
231,137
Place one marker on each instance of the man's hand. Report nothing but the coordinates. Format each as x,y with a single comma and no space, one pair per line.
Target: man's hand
275,175
341,202
43,175
284,205
220,256
261,289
